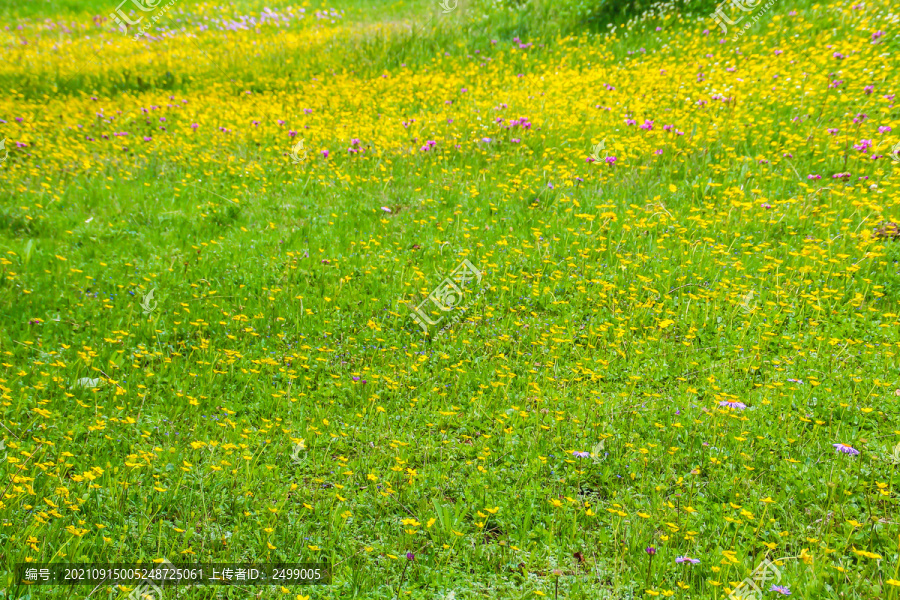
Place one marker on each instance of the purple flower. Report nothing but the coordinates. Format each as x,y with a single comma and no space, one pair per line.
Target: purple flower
884,129
684,559
578,454
781,589
611,160
863,145
410,556
325,153
385,209
730,404
650,550
846,449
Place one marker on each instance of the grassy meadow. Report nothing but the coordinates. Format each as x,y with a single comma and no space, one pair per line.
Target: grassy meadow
679,357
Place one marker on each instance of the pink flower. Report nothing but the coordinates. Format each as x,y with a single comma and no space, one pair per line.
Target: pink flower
325,153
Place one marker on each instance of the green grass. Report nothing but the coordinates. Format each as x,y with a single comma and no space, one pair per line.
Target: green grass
622,310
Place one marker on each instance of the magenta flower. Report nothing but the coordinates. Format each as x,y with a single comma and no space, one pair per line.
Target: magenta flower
781,589
833,131
863,145
730,404
325,153
884,129
846,449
